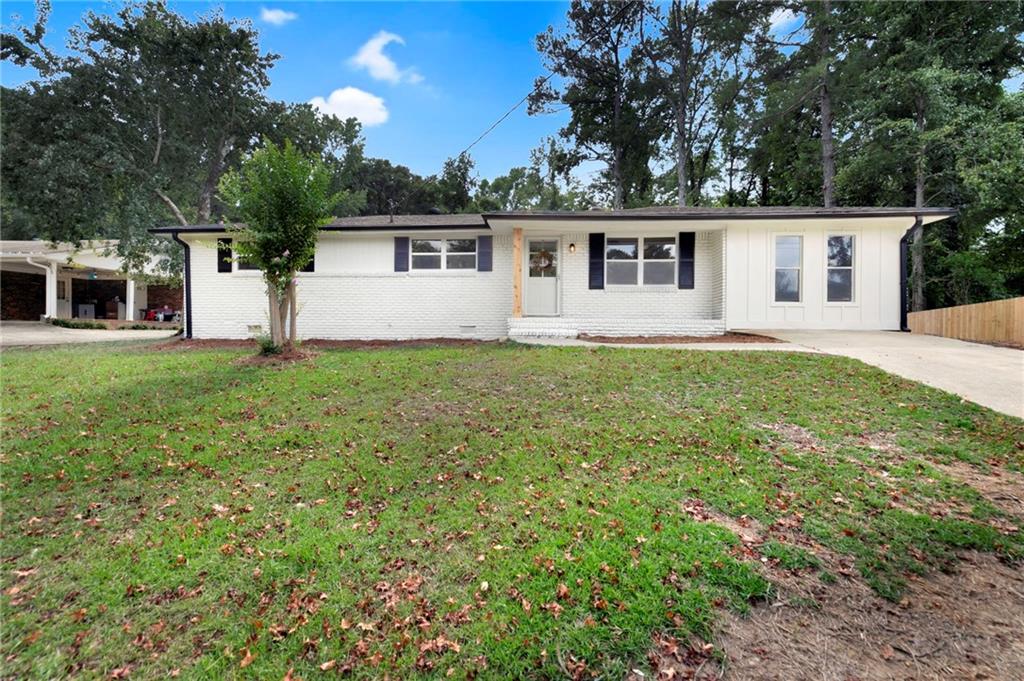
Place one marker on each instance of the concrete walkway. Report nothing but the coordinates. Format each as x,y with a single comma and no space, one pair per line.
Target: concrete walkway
579,343
987,375
36,333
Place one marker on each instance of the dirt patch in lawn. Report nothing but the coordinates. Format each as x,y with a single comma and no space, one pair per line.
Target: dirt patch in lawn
1002,488
967,624
796,436
641,340
284,357
963,625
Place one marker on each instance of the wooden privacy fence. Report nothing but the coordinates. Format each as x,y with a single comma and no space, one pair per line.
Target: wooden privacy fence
1000,321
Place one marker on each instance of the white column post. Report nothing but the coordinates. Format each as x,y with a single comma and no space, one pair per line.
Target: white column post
129,300
51,291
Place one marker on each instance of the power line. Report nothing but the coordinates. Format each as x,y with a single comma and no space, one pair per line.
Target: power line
546,78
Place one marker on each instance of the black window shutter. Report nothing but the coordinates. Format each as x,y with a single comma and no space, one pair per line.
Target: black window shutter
223,255
686,248
401,254
310,266
597,260
484,253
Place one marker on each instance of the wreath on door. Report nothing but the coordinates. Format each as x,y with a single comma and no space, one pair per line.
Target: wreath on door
542,260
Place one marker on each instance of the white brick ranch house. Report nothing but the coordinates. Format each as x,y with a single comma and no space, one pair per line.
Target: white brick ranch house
650,271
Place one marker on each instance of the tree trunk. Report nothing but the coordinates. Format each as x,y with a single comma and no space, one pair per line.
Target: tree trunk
213,175
178,215
828,165
293,303
276,335
681,157
917,301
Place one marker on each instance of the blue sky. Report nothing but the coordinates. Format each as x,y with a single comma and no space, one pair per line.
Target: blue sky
428,79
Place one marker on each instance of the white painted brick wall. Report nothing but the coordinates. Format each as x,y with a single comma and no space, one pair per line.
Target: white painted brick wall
354,294
358,305
637,302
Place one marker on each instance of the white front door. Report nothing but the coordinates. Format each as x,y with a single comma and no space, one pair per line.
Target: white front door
542,277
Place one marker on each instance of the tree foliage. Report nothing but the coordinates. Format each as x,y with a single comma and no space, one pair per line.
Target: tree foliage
283,197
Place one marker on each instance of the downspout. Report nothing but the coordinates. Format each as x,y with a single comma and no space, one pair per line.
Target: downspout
188,284
50,274
904,253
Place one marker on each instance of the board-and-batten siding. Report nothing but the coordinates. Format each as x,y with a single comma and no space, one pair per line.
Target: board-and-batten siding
750,276
355,293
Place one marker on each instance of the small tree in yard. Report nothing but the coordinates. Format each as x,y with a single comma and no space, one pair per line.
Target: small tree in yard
283,197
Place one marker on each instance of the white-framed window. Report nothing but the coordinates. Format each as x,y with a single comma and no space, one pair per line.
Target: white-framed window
839,259
659,264
630,261
621,261
788,258
443,254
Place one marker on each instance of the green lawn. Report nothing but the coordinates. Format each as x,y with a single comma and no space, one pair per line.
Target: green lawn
496,510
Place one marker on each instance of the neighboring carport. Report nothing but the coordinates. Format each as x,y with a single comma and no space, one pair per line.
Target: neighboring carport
988,375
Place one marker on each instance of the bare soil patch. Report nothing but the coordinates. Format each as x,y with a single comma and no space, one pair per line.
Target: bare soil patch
641,340
967,624
1003,488
963,625
285,357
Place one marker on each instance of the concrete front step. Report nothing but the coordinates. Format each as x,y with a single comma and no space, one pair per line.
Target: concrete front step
563,327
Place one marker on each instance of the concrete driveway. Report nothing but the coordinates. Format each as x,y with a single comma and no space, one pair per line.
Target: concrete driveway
36,333
990,376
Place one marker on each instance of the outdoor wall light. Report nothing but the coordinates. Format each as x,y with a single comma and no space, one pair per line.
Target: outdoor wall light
572,248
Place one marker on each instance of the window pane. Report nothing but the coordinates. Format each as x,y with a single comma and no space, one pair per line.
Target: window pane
659,249
787,251
462,245
426,262
787,286
622,273
840,286
543,246
657,273
621,249
840,251
461,261
426,245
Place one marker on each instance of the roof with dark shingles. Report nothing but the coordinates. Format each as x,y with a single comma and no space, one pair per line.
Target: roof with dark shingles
480,221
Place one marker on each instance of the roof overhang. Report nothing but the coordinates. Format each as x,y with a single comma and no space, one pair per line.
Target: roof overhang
622,220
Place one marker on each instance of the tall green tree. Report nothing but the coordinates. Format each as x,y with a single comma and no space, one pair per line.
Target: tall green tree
602,82
283,197
926,80
701,59
135,126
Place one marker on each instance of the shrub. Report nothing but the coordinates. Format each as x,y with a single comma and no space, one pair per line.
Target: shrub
267,345
77,324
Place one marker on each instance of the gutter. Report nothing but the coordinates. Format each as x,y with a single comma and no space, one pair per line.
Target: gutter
188,284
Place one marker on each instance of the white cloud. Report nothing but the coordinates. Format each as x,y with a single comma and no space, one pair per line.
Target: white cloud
350,102
781,18
379,65
277,17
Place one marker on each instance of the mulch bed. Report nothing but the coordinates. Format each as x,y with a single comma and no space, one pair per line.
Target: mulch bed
313,343
641,340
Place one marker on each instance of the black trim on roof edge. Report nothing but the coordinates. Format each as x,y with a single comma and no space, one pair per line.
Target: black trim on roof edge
222,229
724,215
808,213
